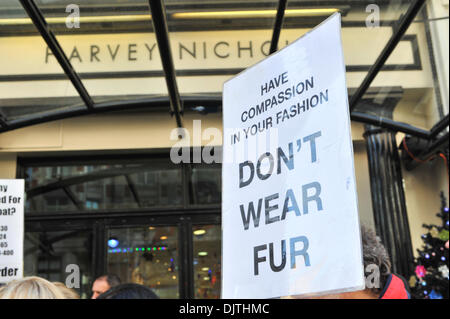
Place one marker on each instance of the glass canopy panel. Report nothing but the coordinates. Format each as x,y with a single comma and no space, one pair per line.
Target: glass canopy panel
367,26
114,51
110,44
213,40
410,92
29,87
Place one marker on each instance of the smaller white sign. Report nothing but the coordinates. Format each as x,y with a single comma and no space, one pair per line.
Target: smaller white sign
11,229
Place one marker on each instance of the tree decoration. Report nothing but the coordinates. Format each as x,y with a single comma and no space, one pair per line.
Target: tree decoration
434,232
420,271
431,265
443,235
444,271
435,295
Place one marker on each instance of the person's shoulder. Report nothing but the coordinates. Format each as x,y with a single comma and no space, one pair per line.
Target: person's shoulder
396,287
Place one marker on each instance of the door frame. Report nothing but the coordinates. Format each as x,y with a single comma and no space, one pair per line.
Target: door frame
101,222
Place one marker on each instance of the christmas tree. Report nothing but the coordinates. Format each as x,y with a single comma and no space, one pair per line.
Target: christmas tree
431,266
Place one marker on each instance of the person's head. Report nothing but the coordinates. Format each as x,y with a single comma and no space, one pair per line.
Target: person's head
374,255
129,291
104,283
31,288
68,292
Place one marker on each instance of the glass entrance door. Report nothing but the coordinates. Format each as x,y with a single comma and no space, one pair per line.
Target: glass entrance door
59,256
147,255
207,261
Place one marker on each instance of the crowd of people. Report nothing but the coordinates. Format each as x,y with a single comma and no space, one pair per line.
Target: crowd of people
104,287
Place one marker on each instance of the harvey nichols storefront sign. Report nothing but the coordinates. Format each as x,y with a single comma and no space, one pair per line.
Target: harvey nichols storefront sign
197,50
205,50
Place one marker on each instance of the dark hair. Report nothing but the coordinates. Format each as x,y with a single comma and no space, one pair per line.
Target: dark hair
112,279
129,291
374,253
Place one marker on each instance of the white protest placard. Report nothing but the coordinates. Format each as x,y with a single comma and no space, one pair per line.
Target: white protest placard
290,223
11,229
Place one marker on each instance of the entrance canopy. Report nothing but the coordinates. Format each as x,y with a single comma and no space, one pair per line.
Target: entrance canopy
60,60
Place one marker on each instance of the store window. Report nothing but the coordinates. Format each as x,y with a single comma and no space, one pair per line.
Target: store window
205,184
148,221
64,188
102,187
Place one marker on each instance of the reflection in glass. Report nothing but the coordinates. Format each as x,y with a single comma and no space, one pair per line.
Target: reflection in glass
120,186
206,184
53,201
107,193
158,187
207,261
95,187
147,256
47,254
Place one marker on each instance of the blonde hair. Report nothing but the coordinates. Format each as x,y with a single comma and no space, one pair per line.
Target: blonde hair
31,288
68,292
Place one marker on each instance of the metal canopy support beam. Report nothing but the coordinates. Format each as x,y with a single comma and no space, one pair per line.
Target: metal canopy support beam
195,100
146,103
429,153
278,25
437,146
158,13
41,25
389,124
439,126
390,46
